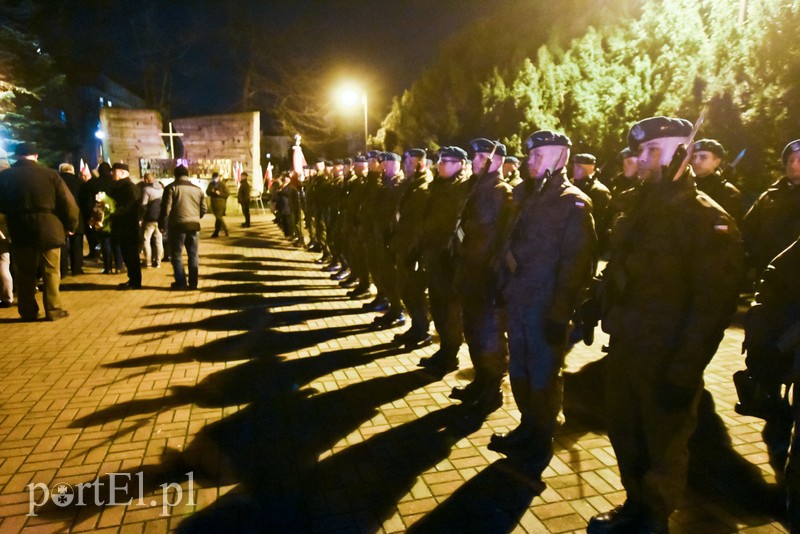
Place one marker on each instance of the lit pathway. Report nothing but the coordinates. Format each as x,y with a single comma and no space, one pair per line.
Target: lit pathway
289,414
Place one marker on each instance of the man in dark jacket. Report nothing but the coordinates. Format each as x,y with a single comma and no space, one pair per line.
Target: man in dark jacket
773,223
772,340
404,245
39,208
706,159
217,191
182,207
546,264
244,199
447,194
125,223
72,252
483,221
386,202
585,179
668,292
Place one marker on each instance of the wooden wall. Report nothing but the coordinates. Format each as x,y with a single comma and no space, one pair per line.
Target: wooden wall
235,136
131,134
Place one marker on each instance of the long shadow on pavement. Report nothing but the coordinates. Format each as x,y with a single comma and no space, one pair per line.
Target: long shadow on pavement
716,470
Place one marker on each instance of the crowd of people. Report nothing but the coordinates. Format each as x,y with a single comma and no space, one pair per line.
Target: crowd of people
518,259
45,216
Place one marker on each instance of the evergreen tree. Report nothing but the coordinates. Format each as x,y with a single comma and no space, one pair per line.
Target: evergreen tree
31,97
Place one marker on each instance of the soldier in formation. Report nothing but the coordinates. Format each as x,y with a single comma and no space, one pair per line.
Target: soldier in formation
501,258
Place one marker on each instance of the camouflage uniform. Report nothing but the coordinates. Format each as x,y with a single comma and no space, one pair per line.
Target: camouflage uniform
483,220
548,261
669,291
405,247
772,224
723,193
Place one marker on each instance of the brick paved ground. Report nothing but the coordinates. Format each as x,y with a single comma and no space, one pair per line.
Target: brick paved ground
291,415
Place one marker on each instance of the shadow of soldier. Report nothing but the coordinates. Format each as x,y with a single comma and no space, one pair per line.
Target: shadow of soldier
280,419
494,500
717,471
355,489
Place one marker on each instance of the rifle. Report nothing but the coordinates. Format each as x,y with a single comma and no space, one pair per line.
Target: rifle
731,167
684,152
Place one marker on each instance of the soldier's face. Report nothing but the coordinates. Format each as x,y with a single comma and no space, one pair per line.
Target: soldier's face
390,167
544,158
360,167
649,161
480,158
509,168
629,166
705,162
582,171
411,164
449,167
338,170
374,165
793,167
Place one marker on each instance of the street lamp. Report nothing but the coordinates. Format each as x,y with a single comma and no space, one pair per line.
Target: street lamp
349,96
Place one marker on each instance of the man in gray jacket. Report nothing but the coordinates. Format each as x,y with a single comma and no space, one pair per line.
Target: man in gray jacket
182,207
39,208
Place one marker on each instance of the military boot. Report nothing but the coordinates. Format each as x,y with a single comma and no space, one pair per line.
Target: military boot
489,399
441,362
469,392
521,437
625,518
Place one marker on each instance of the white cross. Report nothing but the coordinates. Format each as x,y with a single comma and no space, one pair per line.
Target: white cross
172,135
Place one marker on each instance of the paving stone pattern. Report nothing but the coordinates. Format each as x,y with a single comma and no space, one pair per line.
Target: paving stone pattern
268,387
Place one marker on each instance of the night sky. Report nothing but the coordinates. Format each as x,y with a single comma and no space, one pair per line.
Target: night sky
387,44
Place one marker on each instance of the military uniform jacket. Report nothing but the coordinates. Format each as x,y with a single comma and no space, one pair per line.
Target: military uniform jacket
386,202
37,204
671,286
446,198
409,215
772,224
350,203
723,192
483,221
620,183
368,209
600,197
548,259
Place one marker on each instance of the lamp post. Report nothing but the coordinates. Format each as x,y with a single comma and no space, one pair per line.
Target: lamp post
349,96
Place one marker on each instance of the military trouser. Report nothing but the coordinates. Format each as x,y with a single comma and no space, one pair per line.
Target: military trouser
483,330
411,281
535,370
386,279
445,306
297,224
650,440
322,236
360,263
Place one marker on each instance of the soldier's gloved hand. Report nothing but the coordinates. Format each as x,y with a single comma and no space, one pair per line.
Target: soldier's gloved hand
555,333
674,166
674,397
